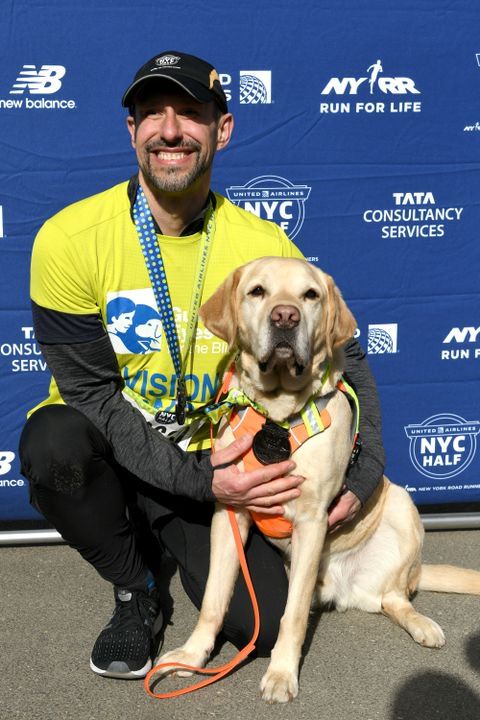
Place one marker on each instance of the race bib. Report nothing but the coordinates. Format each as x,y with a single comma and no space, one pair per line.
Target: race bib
166,424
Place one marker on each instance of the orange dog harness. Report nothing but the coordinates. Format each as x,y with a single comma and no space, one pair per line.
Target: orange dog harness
248,420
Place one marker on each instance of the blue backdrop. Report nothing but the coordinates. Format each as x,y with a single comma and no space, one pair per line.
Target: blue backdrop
357,129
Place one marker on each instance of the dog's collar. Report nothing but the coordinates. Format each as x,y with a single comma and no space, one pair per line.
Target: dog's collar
234,397
313,415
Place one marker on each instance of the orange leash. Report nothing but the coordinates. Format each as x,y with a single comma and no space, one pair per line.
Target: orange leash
222,670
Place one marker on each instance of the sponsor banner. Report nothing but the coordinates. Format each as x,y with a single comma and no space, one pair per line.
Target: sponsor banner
461,344
413,214
33,88
20,353
248,87
273,198
382,339
365,153
474,127
375,92
432,440
443,445
14,489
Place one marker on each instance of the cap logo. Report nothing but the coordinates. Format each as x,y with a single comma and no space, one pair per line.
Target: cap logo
167,60
213,76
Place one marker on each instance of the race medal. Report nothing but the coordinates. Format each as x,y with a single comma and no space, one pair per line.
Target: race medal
271,443
181,403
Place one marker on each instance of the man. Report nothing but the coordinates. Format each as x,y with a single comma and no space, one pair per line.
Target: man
106,447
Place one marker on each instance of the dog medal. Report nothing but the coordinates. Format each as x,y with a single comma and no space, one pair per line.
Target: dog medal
271,443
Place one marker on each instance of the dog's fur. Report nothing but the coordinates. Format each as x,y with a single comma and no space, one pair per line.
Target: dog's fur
288,321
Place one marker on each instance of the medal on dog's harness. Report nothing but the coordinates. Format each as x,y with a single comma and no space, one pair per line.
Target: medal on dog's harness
271,443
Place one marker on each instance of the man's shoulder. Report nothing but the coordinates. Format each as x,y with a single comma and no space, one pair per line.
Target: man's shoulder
92,211
252,234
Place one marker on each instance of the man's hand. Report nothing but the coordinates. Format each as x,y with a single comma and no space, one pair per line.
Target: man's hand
342,510
264,490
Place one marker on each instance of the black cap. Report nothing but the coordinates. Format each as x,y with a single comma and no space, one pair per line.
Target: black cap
195,76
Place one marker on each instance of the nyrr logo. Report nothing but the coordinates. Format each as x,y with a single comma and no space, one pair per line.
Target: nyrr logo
443,446
382,339
255,87
1,222
42,82
466,336
273,198
376,83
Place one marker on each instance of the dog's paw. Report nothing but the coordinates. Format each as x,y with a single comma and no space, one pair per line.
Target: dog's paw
427,632
279,686
183,656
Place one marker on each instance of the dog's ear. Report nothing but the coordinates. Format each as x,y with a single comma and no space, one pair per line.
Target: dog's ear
219,312
340,324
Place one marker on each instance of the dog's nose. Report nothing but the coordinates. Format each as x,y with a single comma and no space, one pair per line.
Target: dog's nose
285,316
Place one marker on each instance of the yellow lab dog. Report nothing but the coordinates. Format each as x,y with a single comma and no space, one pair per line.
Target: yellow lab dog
289,323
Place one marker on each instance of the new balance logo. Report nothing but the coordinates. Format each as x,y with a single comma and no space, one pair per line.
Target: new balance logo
45,81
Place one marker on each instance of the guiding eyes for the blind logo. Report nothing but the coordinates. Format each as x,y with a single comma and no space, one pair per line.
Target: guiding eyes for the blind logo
133,322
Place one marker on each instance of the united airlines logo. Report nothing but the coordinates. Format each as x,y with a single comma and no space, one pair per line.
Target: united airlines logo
377,83
382,339
45,81
443,446
255,87
273,198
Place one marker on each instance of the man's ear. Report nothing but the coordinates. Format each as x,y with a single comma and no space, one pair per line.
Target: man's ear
340,324
219,312
131,127
225,129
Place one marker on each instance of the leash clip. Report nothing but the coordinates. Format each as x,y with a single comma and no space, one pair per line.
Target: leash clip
356,450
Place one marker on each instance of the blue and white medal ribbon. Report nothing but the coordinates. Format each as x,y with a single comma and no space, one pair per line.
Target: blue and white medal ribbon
156,271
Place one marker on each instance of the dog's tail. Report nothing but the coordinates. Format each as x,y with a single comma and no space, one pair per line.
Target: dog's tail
448,578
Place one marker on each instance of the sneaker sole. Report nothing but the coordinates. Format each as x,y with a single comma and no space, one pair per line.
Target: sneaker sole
121,671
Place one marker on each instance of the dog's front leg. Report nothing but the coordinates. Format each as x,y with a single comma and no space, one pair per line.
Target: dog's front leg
280,682
222,575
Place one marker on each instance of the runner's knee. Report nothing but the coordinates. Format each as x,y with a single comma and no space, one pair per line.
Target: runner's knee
57,448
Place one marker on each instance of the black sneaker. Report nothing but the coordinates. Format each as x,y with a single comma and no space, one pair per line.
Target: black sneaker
125,646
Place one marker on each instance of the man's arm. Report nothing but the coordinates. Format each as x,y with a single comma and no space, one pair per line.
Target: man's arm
89,380
364,476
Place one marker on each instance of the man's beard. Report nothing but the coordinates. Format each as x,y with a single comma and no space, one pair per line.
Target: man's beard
174,179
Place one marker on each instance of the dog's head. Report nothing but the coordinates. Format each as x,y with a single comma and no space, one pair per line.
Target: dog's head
285,316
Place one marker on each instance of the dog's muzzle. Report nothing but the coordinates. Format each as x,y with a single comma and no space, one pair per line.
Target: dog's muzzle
284,340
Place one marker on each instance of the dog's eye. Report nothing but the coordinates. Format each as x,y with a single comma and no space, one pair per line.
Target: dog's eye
257,291
311,294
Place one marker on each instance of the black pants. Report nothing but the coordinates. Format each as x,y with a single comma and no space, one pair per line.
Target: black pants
77,485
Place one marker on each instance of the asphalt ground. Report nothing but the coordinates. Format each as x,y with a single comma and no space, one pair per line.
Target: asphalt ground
356,666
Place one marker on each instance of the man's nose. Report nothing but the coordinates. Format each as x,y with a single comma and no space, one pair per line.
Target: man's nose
170,129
